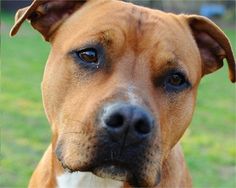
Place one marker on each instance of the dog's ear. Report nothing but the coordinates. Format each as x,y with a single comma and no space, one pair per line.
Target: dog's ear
213,45
46,15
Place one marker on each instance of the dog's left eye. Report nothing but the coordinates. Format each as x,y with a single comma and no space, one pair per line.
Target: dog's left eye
176,82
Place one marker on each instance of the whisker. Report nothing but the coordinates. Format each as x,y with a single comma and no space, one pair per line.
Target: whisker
75,120
71,132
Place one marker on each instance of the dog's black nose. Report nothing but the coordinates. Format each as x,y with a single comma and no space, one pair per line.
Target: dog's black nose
130,121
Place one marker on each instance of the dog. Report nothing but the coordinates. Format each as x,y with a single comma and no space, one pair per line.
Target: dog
119,90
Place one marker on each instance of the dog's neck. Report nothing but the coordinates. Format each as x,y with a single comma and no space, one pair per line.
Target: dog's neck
85,180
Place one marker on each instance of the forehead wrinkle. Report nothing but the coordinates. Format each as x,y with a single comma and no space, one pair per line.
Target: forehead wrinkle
144,28
146,16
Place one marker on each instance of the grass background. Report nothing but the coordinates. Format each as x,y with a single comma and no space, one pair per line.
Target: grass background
209,144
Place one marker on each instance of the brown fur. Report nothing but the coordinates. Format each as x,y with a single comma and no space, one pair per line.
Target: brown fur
141,44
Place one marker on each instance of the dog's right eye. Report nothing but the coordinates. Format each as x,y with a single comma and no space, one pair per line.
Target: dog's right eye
88,56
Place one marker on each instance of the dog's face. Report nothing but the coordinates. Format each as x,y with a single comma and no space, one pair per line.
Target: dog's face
120,86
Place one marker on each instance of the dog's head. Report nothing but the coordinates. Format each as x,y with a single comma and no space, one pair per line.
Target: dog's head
120,83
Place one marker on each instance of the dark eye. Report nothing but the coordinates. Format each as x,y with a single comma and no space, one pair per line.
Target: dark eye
176,82
88,56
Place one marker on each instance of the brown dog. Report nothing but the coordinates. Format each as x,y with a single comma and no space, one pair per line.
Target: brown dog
119,90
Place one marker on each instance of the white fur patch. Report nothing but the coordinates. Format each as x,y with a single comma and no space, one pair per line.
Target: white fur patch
85,180
134,99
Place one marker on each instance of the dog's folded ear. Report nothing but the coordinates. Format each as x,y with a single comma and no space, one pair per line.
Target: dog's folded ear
45,15
213,45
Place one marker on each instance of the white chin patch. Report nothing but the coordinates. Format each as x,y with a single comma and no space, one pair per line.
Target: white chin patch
112,172
85,180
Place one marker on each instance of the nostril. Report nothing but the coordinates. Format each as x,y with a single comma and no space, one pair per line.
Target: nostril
115,121
142,127
127,124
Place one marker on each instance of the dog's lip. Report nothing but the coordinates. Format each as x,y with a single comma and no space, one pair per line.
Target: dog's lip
112,169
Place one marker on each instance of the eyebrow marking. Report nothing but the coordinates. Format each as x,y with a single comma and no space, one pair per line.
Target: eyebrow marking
106,37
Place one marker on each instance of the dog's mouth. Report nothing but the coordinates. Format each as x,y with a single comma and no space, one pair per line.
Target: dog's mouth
133,164
112,170
120,170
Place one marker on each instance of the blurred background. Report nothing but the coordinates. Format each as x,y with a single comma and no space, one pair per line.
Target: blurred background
209,143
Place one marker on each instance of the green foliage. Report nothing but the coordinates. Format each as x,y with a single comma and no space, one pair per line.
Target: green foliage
24,129
209,144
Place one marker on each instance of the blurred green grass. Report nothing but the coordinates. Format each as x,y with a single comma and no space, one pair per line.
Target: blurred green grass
209,144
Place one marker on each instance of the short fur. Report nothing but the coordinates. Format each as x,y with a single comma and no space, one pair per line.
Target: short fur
140,45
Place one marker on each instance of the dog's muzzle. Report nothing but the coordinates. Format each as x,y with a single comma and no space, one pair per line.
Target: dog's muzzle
128,130
122,136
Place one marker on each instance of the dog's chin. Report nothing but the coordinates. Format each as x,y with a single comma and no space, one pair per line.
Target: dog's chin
114,172
109,171
117,172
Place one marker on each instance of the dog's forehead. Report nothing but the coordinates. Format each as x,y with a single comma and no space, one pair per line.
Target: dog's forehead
126,26
120,18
